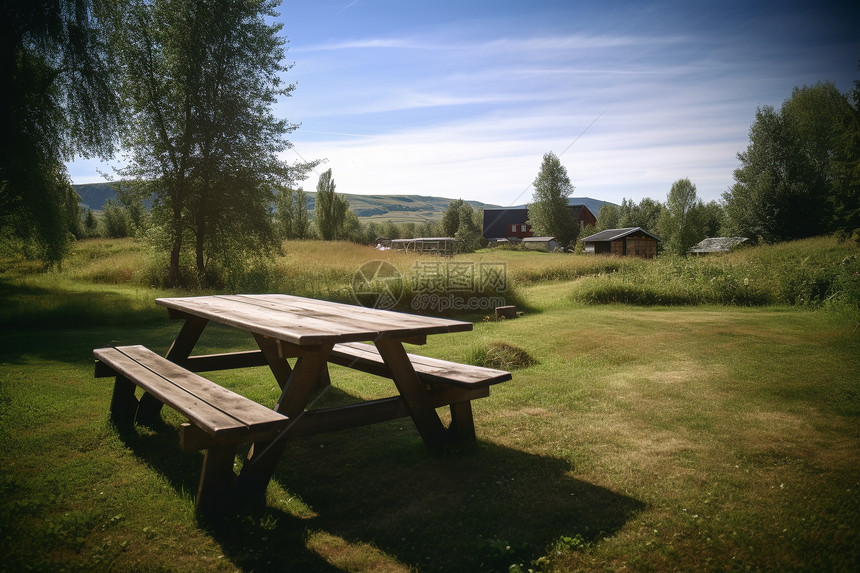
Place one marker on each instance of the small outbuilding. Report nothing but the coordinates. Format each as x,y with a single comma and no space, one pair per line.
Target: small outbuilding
435,245
717,245
546,244
630,241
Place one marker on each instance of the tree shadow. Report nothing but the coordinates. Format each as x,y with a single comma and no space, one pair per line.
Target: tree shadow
474,508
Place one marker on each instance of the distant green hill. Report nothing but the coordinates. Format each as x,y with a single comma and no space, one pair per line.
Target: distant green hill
94,195
380,208
396,208
593,205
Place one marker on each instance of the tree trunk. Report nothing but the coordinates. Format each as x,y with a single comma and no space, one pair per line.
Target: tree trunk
173,277
200,225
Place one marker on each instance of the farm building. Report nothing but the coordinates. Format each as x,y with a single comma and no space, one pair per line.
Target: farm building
511,222
716,245
631,241
547,244
435,245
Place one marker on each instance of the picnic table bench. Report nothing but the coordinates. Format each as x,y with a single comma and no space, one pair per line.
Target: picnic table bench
314,333
219,418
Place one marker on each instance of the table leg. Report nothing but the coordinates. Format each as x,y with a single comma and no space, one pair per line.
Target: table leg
264,456
149,408
277,364
417,399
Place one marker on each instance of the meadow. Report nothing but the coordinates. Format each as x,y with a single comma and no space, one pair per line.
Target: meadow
675,414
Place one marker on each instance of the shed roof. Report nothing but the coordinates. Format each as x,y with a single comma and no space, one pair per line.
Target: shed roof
615,234
717,244
416,239
538,239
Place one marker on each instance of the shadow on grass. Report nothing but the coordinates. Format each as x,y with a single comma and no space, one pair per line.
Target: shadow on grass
52,342
25,306
473,508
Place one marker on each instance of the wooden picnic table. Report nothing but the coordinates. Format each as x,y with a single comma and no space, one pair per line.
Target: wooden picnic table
314,333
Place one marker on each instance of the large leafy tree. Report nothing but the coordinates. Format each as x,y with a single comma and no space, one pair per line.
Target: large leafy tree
451,217
795,178
608,217
59,101
201,79
680,225
469,228
645,214
330,209
549,214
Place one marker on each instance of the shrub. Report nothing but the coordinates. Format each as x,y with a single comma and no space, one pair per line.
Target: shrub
806,273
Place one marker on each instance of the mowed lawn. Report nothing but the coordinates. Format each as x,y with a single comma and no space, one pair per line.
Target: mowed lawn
645,439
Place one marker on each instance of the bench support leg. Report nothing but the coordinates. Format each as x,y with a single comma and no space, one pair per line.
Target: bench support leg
217,481
123,404
462,422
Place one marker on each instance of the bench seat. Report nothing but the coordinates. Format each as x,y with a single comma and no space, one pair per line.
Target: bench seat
431,371
447,383
219,418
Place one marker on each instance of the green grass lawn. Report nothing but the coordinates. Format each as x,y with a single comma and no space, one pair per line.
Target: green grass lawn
649,438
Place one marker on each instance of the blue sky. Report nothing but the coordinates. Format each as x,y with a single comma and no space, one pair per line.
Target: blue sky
462,99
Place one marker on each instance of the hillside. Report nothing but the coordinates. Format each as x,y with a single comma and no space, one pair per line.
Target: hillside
94,195
380,208
593,205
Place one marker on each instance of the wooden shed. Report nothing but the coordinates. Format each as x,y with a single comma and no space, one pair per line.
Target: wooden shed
435,245
547,244
630,241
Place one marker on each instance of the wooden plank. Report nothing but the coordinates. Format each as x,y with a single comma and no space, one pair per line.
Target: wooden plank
307,321
225,361
216,410
382,410
366,357
350,416
380,319
281,323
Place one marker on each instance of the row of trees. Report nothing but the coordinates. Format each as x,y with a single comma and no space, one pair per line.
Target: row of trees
329,218
187,87
681,222
799,177
800,174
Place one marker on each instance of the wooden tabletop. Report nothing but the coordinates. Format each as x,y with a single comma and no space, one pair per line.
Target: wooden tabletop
307,321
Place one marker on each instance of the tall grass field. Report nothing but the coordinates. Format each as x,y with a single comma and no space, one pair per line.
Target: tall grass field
677,414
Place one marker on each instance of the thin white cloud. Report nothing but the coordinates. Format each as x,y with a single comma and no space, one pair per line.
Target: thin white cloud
466,106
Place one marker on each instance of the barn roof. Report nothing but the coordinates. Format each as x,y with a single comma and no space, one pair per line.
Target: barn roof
615,234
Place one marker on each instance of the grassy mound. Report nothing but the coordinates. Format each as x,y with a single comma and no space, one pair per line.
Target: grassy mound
501,355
